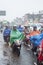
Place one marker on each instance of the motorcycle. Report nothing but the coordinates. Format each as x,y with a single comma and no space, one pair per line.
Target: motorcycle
16,47
16,38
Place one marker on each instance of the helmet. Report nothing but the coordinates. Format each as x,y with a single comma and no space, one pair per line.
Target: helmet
14,27
34,28
6,26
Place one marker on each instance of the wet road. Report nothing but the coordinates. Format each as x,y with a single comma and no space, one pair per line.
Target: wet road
8,58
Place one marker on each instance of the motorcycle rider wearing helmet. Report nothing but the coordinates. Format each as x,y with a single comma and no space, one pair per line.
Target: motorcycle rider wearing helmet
35,32
26,30
15,35
6,33
20,28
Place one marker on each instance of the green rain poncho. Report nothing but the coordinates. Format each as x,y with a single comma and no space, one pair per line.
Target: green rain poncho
16,35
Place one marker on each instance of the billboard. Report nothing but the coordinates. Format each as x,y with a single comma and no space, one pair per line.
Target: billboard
2,13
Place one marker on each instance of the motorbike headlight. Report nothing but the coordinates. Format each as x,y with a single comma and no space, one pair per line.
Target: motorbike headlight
17,42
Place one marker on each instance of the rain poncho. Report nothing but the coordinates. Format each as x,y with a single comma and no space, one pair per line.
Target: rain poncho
34,33
40,56
16,35
36,40
20,29
6,32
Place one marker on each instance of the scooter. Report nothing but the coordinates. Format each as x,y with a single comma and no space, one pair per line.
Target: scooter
16,47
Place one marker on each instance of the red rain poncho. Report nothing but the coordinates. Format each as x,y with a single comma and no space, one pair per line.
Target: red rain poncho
40,55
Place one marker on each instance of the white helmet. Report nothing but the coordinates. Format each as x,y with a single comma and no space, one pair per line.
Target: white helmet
15,25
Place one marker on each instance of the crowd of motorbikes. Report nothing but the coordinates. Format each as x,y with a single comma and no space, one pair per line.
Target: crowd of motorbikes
14,37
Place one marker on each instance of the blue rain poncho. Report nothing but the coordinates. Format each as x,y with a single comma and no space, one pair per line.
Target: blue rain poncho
6,32
20,29
36,40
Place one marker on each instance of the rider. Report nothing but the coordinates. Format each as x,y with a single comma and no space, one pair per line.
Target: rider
26,31
35,32
6,33
20,28
35,29
15,35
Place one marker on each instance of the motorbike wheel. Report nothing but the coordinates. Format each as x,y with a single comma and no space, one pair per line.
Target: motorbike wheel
13,47
18,52
38,63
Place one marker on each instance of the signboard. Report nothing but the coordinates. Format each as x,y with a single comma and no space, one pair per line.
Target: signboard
2,13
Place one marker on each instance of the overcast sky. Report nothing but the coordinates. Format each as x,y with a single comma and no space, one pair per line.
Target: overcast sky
17,8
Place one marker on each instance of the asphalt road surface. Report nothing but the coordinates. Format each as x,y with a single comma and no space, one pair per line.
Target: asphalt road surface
8,58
